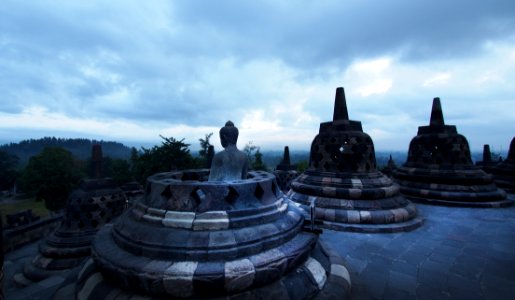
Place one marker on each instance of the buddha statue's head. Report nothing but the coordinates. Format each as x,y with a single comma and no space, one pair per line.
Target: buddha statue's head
228,134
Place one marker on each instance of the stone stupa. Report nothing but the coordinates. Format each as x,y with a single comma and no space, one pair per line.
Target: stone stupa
96,202
439,169
504,171
342,185
390,167
233,236
285,172
487,163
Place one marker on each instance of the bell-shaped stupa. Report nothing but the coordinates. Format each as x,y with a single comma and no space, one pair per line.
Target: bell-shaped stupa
390,167
285,172
233,236
504,171
96,202
439,169
342,185
487,163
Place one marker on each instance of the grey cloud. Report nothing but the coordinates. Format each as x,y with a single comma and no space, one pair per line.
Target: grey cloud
166,54
306,35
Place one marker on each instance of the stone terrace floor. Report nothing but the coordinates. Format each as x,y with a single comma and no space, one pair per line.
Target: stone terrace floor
459,253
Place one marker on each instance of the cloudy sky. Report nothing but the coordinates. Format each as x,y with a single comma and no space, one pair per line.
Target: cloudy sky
132,70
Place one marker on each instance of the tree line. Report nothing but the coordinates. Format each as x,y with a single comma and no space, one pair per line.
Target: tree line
79,147
54,172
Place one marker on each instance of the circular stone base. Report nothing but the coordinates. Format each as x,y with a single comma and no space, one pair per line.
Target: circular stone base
375,228
507,185
37,273
509,201
322,276
404,226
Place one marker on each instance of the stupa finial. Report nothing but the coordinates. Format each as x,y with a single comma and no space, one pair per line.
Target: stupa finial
487,155
96,159
340,106
286,156
511,151
436,113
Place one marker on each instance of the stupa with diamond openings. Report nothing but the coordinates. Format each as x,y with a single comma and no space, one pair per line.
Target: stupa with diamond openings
285,172
439,169
342,185
96,202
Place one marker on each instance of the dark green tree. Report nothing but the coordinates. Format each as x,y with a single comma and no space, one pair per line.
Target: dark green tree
250,149
255,157
204,144
172,154
302,166
257,163
116,168
203,152
8,172
50,176
120,171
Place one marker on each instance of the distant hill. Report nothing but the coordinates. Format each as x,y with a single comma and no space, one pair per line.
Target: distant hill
80,148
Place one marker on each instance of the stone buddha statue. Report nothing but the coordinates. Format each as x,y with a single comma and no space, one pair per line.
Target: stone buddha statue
231,163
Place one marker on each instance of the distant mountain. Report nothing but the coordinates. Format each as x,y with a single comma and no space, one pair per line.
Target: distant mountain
80,148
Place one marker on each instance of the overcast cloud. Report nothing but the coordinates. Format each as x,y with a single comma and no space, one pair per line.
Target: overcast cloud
131,70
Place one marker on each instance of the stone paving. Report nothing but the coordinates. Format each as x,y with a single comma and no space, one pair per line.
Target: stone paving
459,253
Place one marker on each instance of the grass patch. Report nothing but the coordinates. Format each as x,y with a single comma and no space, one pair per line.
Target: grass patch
38,207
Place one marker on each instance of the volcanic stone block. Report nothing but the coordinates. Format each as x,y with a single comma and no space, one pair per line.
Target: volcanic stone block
439,169
343,184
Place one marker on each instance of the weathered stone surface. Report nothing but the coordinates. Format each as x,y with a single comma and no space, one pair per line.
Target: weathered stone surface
231,163
285,172
390,167
342,181
220,260
95,203
192,238
439,169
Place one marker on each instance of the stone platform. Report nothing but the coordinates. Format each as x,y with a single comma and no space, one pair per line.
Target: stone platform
459,253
